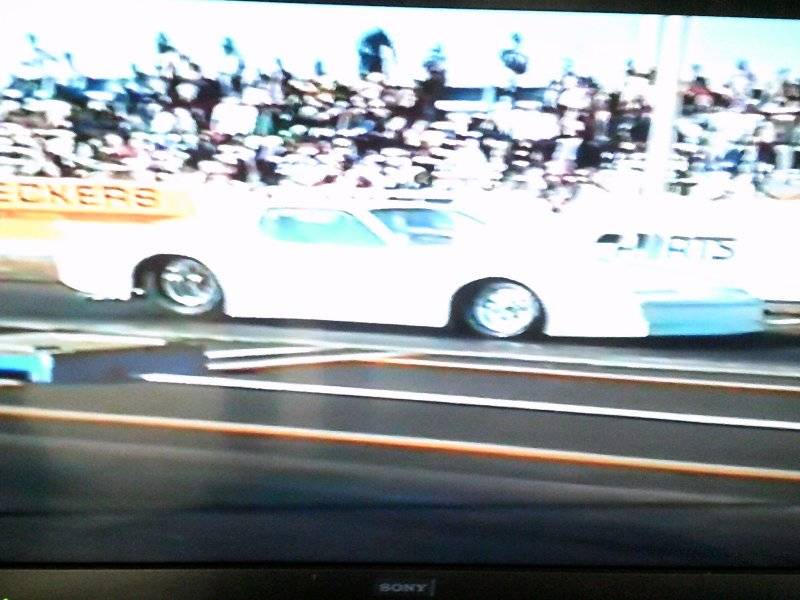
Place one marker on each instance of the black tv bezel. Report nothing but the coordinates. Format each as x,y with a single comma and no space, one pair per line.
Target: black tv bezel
348,580
771,9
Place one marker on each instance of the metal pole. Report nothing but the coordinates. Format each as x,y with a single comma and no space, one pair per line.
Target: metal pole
673,32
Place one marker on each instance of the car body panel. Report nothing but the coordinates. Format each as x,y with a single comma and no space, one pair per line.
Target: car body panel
406,284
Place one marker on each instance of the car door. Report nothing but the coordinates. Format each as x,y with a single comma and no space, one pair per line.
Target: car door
418,273
317,263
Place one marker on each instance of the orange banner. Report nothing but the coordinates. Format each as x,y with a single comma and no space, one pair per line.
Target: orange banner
81,198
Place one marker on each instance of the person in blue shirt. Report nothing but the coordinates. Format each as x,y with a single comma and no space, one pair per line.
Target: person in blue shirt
516,61
370,51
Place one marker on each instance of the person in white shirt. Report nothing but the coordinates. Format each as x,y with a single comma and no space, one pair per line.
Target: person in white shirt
167,56
276,80
65,73
231,66
232,117
741,85
164,121
184,121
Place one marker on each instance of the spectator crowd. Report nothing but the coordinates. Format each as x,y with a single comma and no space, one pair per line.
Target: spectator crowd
741,128
177,121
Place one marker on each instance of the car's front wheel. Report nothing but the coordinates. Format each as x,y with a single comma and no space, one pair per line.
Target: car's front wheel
503,309
184,286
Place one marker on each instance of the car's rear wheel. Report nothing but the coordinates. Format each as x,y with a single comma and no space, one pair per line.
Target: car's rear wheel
184,286
503,309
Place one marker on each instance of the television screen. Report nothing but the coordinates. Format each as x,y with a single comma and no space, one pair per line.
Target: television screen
359,284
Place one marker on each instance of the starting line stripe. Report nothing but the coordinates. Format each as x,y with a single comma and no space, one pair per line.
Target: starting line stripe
267,363
731,385
255,352
353,392
397,442
635,365
783,321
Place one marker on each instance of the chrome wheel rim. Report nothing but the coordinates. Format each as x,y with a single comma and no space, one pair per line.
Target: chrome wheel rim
505,310
188,283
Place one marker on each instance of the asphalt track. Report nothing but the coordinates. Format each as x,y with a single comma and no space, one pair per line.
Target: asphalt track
336,443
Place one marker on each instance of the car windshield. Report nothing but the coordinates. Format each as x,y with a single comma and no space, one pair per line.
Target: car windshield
311,226
427,225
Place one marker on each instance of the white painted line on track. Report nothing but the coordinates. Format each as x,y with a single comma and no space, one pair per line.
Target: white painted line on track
269,363
9,383
786,321
138,330
255,352
399,442
656,364
54,337
440,364
553,407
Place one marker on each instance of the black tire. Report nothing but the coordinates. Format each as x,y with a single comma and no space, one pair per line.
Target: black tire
162,292
475,318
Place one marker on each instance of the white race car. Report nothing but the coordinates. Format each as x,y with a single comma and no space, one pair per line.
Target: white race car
396,262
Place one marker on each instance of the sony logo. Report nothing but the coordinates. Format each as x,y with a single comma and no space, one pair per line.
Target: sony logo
406,588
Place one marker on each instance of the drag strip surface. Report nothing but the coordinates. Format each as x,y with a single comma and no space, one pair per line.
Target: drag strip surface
384,394
717,444
334,442
395,442
51,306
559,387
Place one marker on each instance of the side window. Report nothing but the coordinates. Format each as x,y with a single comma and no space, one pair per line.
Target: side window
609,238
313,226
